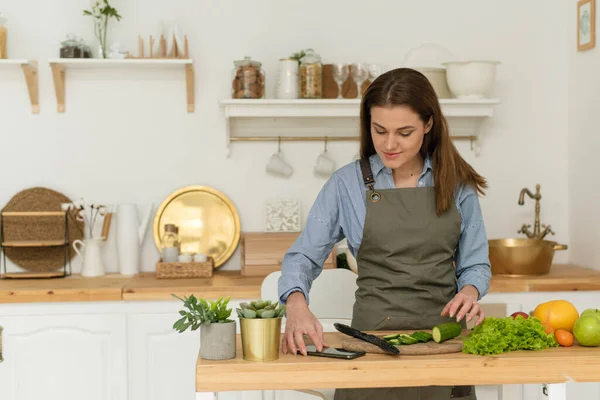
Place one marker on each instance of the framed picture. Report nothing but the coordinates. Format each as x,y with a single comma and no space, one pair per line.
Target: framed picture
586,24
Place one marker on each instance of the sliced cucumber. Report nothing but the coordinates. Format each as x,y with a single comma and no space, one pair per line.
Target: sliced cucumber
390,337
446,331
407,339
423,337
394,342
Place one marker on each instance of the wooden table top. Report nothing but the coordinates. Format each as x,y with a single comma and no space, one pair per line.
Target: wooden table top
556,365
231,283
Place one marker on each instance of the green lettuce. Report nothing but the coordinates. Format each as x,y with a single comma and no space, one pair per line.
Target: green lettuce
500,335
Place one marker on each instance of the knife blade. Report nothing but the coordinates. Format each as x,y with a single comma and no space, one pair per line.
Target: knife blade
382,344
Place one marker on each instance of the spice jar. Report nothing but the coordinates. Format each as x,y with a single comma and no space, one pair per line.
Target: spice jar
3,37
311,76
247,80
170,243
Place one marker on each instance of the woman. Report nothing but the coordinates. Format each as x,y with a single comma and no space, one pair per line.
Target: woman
422,248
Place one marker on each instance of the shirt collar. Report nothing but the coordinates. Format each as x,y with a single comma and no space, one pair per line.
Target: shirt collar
377,165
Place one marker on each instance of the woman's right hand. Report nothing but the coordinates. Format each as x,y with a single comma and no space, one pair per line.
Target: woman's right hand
301,321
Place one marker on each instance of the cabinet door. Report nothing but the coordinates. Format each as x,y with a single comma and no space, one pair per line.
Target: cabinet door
63,357
162,361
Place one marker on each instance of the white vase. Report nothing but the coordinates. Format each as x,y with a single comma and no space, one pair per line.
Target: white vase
130,236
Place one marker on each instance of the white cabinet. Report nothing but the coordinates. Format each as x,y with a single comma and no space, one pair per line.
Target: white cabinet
54,356
162,362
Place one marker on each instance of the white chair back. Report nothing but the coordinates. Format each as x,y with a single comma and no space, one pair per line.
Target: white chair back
331,296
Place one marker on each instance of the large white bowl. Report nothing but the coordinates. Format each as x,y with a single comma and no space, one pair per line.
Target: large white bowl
471,79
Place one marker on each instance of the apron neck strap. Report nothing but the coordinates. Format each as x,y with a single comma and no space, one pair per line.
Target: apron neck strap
367,173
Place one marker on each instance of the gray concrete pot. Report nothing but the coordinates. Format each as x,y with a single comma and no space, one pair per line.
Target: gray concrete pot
217,341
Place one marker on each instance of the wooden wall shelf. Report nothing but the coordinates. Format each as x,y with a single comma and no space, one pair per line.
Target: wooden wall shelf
332,119
30,70
60,65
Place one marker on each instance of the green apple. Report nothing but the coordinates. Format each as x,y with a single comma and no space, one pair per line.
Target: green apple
587,330
591,311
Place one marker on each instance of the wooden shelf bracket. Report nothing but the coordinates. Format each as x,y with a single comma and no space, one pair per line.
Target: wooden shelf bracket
58,76
30,70
189,84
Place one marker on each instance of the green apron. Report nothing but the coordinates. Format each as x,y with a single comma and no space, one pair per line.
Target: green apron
405,275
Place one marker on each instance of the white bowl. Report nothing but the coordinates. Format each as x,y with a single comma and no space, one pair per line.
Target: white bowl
471,79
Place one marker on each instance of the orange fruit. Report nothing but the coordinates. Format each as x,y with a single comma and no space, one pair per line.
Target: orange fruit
564,338
559,314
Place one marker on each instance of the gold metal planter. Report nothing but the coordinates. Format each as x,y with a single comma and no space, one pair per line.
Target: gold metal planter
260,338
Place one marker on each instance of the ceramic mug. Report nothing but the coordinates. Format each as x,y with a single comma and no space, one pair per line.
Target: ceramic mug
184,258
325,165
200,257
278,166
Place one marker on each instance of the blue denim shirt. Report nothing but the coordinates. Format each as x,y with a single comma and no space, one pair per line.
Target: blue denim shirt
339,211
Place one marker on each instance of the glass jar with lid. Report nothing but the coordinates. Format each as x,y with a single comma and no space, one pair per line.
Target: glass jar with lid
311,75
247,79
70,48
170,243
3,37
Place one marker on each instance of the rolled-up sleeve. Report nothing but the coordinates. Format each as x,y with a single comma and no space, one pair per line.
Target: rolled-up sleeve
472,254
303,262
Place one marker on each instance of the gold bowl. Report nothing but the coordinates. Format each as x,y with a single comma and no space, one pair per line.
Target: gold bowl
522,257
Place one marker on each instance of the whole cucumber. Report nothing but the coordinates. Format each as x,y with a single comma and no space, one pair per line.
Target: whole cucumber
446,331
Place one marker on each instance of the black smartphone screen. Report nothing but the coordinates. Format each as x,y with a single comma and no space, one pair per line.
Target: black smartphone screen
333,353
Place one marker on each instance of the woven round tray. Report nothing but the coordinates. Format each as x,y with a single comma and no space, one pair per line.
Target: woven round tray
39,259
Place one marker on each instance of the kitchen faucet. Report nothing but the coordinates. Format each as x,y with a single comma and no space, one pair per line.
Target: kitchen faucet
537,232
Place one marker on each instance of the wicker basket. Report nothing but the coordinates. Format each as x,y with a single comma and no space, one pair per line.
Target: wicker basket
184,270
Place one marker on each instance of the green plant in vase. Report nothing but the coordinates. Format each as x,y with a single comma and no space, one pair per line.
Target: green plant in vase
260,328
217,330
101,11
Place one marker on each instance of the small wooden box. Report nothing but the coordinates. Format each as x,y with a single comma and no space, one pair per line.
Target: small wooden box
262,252
184,270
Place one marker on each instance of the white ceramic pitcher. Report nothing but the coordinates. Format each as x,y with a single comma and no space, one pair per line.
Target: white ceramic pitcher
130,235
92,257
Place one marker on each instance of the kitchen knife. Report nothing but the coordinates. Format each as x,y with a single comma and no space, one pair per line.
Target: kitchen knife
382,344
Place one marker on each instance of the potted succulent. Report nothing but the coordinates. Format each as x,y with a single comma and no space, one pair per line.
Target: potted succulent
217,330
260,328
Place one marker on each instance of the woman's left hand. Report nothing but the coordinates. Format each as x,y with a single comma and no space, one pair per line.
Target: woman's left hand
464,304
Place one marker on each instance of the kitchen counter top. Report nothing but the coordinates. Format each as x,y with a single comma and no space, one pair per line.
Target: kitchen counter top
556,365
114,287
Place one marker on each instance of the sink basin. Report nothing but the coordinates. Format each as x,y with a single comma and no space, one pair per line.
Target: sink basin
522,257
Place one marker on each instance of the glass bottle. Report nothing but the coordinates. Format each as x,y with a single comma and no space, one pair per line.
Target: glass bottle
170,243
247,79
311,76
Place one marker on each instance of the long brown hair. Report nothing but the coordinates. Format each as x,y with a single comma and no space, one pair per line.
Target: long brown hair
405,86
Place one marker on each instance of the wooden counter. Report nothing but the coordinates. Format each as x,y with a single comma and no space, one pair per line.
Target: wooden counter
71,288
230,283
556,365
222,284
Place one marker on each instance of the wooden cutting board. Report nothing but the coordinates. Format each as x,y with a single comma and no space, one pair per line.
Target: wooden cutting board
418,349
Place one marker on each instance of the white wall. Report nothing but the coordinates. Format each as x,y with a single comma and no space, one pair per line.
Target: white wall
129,138
584,146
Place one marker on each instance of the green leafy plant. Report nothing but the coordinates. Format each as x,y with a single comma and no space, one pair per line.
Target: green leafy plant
101,11
260,309
201,311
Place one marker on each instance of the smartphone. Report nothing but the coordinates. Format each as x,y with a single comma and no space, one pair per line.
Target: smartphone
332,352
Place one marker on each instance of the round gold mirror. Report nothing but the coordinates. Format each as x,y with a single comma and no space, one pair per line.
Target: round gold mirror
208,222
